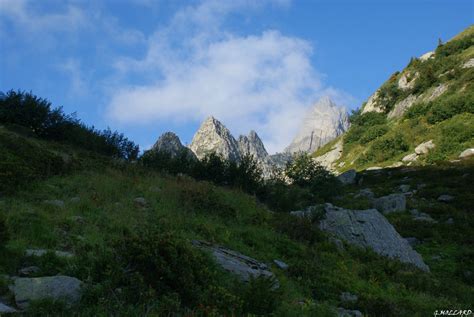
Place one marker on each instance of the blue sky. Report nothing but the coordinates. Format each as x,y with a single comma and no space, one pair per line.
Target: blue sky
144,67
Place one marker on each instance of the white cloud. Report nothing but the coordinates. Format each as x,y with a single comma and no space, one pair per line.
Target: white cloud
263,82
72,68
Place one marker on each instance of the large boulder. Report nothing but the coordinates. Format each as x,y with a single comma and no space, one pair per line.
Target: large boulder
424,147
390,203
370,229
57,288
5,309
241,265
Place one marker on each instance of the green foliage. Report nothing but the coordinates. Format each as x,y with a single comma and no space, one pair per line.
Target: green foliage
386,148
389,93
304,171
4,235
261,296
369,119
36,114
455,46
446,108
372,133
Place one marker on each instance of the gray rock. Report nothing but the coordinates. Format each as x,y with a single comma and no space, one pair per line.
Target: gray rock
323,123
75,199
395,165
445,198
29,270
347,297
170,144
342,312
280,264
413,241
404,188
328,159
366,193
424,147
5,309
55,203
370,229
56,288
348,177
140,202
450,221
374,168
241,265
252,145
466,153
41,252
421,216
410,157
214,137
402,106
390,203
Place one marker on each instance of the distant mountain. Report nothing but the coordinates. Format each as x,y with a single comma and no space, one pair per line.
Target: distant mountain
253,145
213,136
324,122
169,143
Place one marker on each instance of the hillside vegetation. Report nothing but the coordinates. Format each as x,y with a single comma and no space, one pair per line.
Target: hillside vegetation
431,99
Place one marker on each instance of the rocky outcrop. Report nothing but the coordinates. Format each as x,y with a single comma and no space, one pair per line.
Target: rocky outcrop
424,147
252,145
214,137
328,159
370,229
469,63
170,143
400,107
427,56
372,104
324,122
407,80
234,262
57,288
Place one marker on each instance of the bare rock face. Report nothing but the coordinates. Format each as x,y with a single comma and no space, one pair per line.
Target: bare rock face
214,137
169,143
372,104
370,229
322,124
252,145
234,262
328,159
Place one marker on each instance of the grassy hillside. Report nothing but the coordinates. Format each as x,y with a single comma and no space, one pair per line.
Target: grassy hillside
138,260
431,99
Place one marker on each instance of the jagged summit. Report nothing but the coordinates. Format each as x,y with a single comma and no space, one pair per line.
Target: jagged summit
170,143
253,145
322,123
213,136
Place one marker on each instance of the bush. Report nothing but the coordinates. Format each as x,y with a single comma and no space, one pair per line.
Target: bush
443,109
372,133
385,148
4,235
304,171
36,114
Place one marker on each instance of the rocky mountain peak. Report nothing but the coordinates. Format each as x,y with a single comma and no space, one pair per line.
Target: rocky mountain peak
323,122
170,143
253,145
213,136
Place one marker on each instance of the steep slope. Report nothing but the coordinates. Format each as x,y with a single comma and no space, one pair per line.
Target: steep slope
213,136
170,143
430,102
323,122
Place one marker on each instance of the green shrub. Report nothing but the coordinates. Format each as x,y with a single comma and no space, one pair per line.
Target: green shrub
454,46
205,199
445,108
304,171
260,296
385,148
369,119
36,114
4,235
372,133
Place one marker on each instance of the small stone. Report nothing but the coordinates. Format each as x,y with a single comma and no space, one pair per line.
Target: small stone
450,221
28,271
445,198
155,189
374,168
366,193
55,203
466,153
420,186
280,264
436,257
75,199
140,202
78,219
342,312
347,297
41,252
395,165
404,188
390,203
